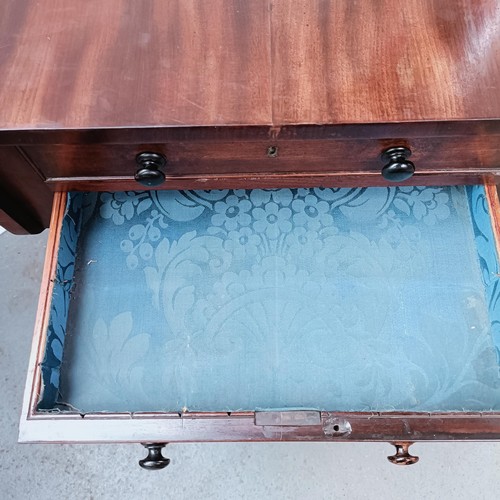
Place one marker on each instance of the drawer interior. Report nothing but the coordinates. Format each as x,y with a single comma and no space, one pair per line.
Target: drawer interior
369,299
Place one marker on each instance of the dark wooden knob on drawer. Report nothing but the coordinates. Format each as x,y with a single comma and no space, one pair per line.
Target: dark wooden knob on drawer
149,173
155,460
398,167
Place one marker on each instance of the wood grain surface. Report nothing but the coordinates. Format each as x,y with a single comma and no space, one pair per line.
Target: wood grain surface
112,63
356,61
171,63
251,157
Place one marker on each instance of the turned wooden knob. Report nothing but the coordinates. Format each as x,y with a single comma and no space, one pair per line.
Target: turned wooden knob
149,173
398,167
155,460
402,455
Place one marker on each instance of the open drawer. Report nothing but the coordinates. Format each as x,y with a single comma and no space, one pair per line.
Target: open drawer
288,314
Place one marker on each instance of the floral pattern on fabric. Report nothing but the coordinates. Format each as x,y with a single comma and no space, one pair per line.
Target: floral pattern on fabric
341,299
258,217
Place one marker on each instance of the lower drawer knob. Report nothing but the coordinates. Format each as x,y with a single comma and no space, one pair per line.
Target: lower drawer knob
398,168
402,455
149,173
155,460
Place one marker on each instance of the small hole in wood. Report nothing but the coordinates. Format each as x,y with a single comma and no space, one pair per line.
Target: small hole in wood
272,151
336,428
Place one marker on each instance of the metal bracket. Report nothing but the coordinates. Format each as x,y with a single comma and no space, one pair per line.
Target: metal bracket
335,426
292,418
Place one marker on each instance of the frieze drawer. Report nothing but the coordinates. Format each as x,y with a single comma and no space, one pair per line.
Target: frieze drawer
285,160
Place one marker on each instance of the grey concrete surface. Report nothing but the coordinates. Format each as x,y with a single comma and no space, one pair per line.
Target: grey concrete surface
236,470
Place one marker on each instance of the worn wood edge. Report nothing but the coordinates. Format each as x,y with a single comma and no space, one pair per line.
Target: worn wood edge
493,201
363,427
141,134
249,180
33,379
208,415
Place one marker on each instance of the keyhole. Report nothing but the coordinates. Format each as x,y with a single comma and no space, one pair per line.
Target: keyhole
272,151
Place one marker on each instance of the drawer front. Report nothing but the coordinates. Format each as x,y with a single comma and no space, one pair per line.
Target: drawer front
268,163
187,246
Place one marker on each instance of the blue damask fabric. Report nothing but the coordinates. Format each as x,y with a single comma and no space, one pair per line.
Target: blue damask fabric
63,282
339,299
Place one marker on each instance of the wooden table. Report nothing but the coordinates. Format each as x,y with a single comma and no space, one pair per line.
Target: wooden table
244,94
327,85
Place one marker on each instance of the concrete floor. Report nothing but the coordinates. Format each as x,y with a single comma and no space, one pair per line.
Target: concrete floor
254,471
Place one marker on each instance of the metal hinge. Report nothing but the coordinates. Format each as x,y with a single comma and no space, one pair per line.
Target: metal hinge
331,424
